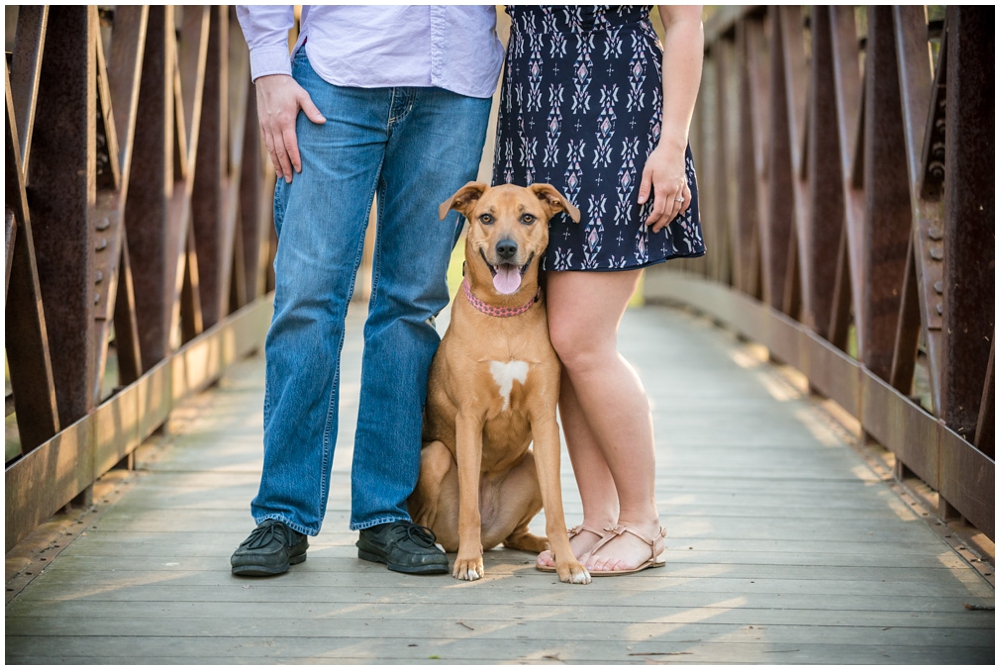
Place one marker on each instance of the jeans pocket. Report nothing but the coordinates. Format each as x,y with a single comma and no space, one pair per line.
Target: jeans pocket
300,57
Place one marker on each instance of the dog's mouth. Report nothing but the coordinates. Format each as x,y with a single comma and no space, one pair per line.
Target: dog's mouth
507,276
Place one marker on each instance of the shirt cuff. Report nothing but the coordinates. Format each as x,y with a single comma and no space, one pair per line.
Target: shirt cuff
269,60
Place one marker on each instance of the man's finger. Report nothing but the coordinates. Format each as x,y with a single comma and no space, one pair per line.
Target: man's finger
282,155
292,147
311,111
269,144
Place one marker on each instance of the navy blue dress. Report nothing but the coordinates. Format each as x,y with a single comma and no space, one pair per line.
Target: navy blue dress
580,109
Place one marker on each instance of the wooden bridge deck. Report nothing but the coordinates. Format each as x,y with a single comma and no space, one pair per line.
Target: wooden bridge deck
785,546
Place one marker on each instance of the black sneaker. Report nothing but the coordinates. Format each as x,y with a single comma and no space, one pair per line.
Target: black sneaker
270,550
404,547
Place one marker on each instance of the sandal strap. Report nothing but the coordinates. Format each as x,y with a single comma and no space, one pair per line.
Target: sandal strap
651,542
619,530
576,530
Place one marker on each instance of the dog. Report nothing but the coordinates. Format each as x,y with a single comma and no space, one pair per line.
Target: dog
492,391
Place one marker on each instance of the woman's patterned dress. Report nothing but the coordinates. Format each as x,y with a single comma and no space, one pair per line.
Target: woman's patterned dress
580,109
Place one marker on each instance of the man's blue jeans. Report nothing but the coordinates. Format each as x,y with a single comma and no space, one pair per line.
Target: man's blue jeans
414,147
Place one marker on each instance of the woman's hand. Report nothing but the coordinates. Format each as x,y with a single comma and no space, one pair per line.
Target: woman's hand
279,99
664,173
665,176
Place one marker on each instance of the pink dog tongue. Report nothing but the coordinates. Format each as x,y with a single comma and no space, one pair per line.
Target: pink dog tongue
507,279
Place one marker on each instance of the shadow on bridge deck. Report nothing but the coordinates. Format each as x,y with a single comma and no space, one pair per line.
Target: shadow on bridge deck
784,546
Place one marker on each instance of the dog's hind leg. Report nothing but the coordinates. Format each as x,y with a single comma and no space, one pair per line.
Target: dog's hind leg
429,505
523,540
522,500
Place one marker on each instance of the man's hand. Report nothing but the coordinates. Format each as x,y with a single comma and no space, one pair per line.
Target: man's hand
279,99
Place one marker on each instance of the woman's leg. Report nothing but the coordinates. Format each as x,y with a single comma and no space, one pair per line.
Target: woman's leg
606,418
600,504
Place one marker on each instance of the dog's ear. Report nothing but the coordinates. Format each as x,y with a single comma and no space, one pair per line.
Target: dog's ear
462,199
555,201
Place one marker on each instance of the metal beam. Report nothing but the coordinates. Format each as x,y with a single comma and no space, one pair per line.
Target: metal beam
969,266
61,193
887,215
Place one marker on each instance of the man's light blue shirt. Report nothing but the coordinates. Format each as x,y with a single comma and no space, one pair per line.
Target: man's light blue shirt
452,47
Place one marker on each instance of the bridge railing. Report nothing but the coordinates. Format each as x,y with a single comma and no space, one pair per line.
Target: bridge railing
846,162
139,238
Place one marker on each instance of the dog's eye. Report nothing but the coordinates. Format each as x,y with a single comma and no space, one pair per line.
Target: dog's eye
486,219
528,219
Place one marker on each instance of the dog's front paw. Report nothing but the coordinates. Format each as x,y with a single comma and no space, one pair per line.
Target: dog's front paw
572,572
468,569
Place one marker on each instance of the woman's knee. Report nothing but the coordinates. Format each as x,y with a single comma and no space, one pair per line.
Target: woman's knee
575,343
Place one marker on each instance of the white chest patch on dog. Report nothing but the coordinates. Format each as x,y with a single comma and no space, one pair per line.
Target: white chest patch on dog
505,374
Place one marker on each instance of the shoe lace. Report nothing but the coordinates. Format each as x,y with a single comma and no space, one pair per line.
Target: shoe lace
421,534
262,535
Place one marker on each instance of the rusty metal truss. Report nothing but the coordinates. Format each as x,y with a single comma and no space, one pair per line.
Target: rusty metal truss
138,231
847,177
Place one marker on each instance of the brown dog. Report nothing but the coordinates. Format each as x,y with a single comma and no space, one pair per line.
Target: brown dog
493,388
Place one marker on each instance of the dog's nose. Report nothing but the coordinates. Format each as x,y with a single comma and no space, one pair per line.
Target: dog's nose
506,249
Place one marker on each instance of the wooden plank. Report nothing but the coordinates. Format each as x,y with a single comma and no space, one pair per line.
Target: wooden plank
859,530
675,500
530,587
950,614
142,545
340,573
740,645
330,557
781,629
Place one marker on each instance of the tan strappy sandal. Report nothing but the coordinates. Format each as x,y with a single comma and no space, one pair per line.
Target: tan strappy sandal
655,558
573,532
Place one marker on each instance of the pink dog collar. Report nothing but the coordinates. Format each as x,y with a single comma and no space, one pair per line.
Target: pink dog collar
497,311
